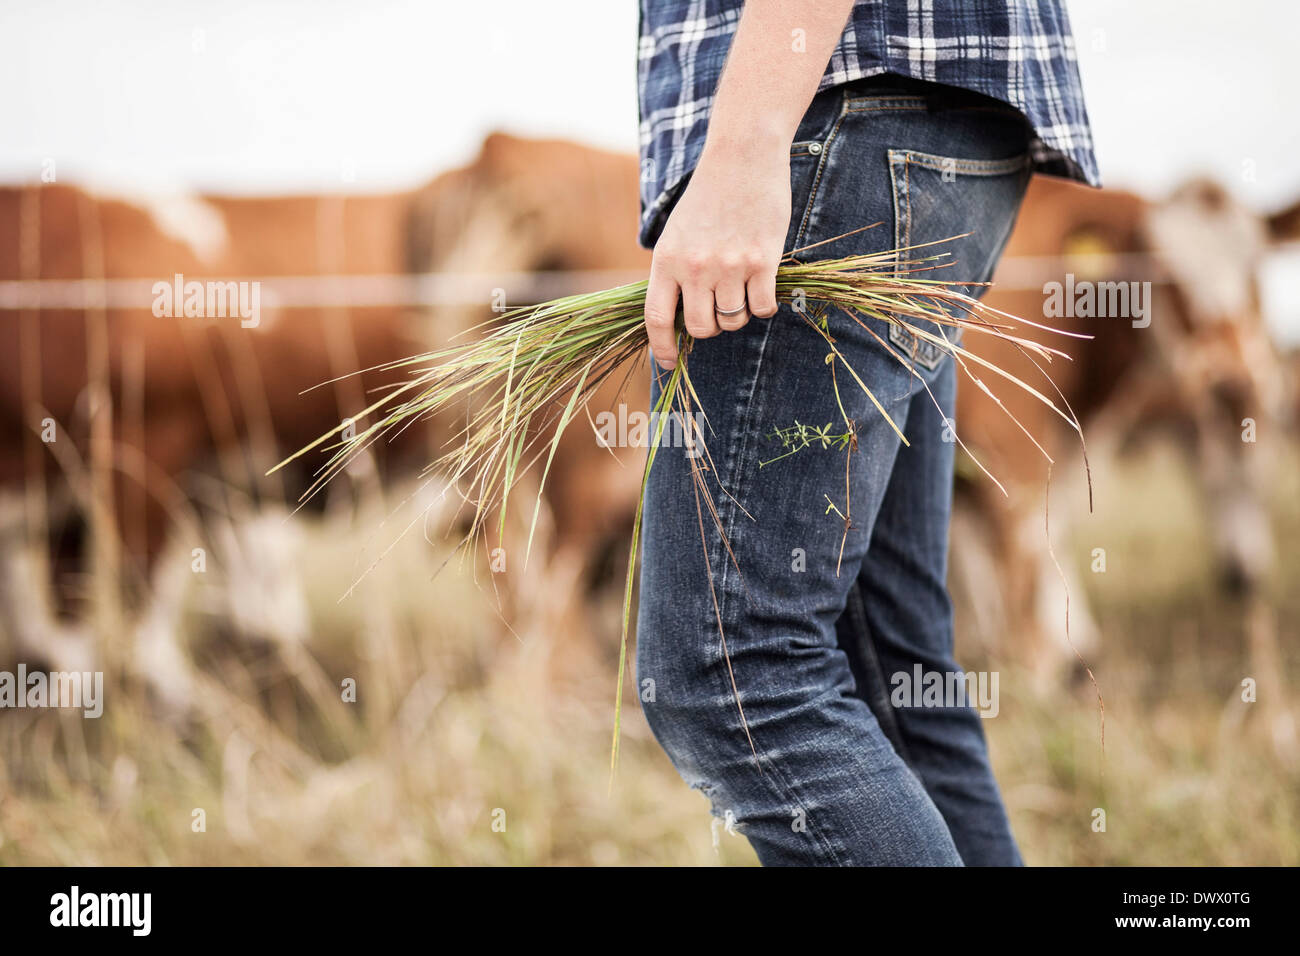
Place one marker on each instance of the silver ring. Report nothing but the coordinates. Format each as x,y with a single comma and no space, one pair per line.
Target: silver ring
730,312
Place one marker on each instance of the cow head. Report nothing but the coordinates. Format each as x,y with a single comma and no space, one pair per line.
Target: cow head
1232,386
521,211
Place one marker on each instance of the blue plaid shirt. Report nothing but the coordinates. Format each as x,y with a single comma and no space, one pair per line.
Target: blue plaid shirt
1017,51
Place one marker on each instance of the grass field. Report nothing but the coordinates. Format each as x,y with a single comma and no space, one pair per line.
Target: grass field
467,744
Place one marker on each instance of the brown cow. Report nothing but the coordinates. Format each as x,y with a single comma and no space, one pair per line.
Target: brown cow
108,412
1197,358
139,404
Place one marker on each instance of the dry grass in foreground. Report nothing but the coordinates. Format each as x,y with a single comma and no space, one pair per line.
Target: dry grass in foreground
456,719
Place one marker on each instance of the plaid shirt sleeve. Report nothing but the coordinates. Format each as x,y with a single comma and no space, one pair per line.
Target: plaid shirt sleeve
1017,51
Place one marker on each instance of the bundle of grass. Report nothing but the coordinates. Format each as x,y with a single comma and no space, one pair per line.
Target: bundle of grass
527,374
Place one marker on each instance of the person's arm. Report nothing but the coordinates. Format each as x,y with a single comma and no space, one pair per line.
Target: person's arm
722,243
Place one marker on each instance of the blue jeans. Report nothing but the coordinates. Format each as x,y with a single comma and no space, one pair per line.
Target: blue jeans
816,638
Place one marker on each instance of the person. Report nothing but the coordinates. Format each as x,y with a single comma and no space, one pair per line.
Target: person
768,642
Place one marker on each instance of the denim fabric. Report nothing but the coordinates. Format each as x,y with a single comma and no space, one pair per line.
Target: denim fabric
841,776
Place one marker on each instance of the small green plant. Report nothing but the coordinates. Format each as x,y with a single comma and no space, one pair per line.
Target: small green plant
795,438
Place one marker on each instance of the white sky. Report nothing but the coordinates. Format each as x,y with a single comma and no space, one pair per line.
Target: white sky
289,95
292,95
308,95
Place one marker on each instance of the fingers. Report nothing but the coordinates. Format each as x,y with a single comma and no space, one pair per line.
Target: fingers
705,285
697,306
761,290
660,313
729,295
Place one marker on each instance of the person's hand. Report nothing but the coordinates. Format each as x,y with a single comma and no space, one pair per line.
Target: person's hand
720,247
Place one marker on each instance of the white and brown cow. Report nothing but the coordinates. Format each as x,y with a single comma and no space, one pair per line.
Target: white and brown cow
1199,361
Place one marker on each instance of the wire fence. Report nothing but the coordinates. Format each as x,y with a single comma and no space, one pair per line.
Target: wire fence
442,289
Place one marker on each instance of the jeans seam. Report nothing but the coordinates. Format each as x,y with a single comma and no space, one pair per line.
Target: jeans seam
817,178
906,101
919,107
734,491
970,167
855,606
903,221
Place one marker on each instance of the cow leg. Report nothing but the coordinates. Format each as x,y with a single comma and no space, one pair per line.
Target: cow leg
1264,660
976,571
156,656
1065,632
27,609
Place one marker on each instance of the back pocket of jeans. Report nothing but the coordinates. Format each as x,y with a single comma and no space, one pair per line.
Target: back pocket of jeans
972,203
